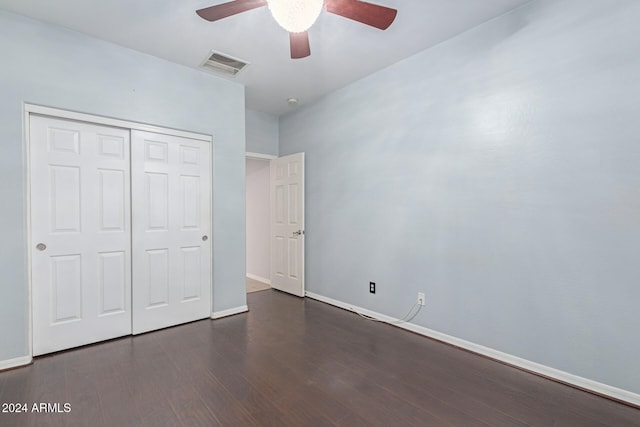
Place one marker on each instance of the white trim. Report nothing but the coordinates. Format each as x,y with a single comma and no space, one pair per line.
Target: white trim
27,162
212,236
303,221
537,368
259,279
229,312
259,156
14,363
108,121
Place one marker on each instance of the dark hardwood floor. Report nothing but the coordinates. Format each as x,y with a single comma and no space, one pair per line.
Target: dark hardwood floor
292,362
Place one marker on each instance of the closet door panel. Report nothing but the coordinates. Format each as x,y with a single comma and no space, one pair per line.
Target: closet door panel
80,233
171,228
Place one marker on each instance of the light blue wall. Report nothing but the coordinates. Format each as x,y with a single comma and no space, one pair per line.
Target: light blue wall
263,132
499,172
50,66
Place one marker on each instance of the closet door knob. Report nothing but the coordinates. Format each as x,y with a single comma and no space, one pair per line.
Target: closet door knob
41,246
205,238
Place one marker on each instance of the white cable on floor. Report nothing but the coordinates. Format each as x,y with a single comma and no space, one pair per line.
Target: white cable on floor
405,319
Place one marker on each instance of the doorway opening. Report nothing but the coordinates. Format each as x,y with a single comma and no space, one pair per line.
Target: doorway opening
275,221
258,222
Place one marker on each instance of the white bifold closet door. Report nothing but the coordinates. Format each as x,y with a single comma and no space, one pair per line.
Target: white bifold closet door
171,230
80,233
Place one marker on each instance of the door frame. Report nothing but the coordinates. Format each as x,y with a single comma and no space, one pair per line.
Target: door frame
58,113
258,156
267,158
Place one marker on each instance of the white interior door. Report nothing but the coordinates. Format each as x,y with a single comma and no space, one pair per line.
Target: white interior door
80,233
171,211
287,224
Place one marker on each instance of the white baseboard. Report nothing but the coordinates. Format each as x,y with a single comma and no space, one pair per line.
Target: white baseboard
229,312
536,368
14,363
259,278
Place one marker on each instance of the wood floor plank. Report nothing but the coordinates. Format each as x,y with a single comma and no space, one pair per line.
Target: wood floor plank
293,362
162,415
2,377
189,408
221,403
264,393
491,413
353,352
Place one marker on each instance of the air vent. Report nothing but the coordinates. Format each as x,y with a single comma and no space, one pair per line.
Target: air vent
223,64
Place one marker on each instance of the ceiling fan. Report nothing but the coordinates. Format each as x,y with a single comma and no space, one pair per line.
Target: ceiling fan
297,16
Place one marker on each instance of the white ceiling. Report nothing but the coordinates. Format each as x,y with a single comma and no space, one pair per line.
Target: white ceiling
342,50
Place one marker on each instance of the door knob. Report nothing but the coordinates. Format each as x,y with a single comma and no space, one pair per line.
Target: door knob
298,233
205,238
41,246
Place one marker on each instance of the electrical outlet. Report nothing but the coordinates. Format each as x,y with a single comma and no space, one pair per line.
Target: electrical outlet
372,287
421,298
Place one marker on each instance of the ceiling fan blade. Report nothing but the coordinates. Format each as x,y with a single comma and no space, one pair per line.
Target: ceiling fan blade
224,10
367,13
299,45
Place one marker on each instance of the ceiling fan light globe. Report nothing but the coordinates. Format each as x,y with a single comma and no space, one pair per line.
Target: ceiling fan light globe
295,16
